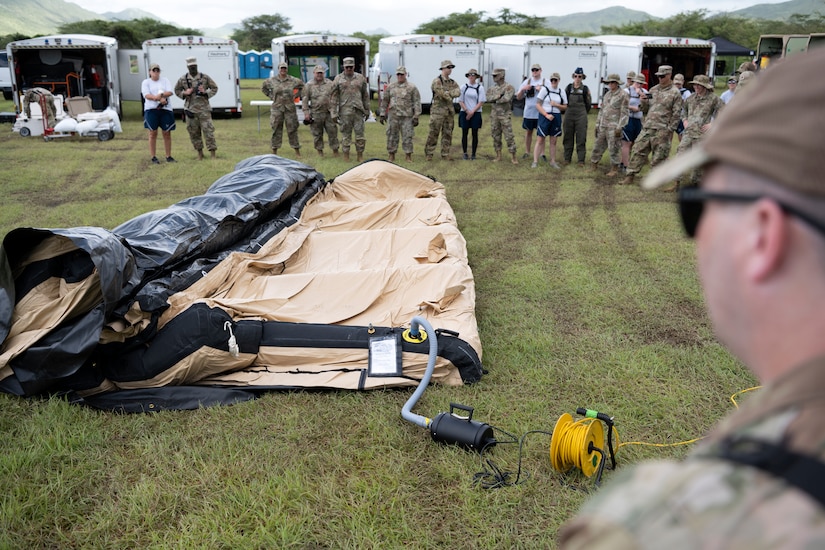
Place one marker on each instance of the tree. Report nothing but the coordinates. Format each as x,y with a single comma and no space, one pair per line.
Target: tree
474,24
256,33
129,34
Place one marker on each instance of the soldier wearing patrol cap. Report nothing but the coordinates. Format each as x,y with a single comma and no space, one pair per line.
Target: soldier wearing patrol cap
663,109
442,112
400,109
351,107
758,222
316,103
613,116
195,88
283,89
500,96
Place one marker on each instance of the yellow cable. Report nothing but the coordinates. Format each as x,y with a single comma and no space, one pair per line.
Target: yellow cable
570,444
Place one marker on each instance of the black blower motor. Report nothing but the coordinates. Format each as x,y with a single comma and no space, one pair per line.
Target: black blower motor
450,428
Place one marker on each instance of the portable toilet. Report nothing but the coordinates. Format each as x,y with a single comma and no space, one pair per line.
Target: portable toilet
265,66
241,65
252,64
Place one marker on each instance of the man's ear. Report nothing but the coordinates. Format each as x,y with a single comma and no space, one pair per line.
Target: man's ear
768,240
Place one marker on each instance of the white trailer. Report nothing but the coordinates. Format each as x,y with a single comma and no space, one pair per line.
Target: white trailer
71,65
303,51
516,53
132,73
217,57
422,54
644,54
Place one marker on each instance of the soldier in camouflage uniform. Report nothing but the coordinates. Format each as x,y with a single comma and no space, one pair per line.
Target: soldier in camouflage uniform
613,116
351,107
699,111
195,89
316,106
283,89
663,110
34,95
442,111
759,224
400,107
500,96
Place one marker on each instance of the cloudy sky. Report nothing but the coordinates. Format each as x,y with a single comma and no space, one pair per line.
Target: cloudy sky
338,17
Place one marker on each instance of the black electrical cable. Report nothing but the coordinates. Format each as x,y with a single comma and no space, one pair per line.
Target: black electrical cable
493,477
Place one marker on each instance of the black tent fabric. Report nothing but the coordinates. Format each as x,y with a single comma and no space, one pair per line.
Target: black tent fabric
725,47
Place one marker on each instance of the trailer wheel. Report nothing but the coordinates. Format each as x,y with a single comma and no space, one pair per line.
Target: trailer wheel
25,132
104,135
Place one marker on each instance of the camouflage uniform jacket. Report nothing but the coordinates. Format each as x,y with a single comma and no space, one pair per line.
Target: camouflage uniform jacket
664,107
401,99
614,113
501,97
350,94
444,92
700,110
196,102
282,91
710,502
316,97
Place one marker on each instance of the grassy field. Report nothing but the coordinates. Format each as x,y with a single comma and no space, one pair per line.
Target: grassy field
587,297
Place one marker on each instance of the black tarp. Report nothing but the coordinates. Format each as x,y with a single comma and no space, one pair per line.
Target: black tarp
725,47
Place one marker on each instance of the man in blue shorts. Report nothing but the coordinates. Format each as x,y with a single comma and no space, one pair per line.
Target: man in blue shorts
634,123
527,91
157,112
551,102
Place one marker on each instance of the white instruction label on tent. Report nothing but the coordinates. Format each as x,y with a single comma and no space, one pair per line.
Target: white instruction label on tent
385,356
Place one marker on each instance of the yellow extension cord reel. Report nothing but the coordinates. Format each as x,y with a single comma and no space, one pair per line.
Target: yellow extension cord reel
580,443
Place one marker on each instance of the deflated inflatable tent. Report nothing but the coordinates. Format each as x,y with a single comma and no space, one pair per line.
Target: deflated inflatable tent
273,279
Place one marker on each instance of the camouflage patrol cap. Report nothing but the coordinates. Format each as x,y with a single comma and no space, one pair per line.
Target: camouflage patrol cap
678,77
630,74
613,78
319,69
283,65
191,61
702,80
154,66
498,72
349,62
447,64
555,76
663,70
535,66
401,70
790,158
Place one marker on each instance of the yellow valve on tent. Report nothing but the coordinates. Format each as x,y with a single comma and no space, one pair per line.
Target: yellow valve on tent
417,339
573,444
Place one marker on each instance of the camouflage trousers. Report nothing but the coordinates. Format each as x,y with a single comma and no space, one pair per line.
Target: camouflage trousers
280,118
501,123
440,123
322,122
352,123
201,131
651,140
403,126
607,140
689,139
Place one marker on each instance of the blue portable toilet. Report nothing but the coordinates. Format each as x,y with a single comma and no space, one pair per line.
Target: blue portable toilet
252,62
241,65
265,69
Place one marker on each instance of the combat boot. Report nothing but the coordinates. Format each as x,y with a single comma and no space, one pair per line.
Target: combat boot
297,153
360,157
592,167
628,179
429,158
391,157
498,157
200,154
346,156
213,154
614,171
274,151
320,152
408,158
335,153
513,158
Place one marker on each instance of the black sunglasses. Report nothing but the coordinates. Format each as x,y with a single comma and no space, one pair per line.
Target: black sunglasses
534,70
155,70
692,204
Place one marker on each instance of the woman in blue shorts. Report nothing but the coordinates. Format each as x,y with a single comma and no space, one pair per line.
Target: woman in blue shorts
551,102
157,112
634,123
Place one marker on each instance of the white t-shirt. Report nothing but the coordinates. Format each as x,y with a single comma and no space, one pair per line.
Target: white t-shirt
154,87
548,94
530,110
727,95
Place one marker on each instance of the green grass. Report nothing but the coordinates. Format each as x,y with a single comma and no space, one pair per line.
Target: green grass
586,296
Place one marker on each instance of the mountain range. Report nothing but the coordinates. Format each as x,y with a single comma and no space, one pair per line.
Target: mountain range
37,17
